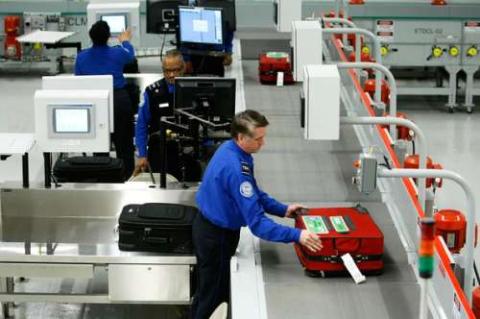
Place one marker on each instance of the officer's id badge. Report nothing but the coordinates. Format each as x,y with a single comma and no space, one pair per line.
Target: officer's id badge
162,105
245,169
246,189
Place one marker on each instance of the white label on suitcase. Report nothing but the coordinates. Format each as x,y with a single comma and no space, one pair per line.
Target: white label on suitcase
353,269
280,76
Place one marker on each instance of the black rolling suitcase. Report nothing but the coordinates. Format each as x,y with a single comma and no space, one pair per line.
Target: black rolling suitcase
89,169
156,227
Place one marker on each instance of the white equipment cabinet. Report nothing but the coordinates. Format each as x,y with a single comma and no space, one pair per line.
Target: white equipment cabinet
307,46
322,102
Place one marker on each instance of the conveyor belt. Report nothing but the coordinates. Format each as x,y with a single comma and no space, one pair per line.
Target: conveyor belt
319,174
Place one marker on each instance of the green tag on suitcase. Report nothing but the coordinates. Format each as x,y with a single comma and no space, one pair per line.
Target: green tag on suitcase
339,224
315,224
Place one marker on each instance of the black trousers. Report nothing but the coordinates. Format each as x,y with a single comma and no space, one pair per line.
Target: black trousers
214,247
124,130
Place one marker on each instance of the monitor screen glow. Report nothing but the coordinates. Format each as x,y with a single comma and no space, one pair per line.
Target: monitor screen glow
71,120
116,22
201,25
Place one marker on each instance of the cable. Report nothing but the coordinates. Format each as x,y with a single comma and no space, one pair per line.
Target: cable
386,164
162,47
54,179
476,272
413,147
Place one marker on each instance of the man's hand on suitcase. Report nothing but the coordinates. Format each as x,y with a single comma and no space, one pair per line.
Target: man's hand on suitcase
295,210
310,240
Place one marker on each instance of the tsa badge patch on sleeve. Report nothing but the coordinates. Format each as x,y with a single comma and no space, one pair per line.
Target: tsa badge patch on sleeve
246,189
245,168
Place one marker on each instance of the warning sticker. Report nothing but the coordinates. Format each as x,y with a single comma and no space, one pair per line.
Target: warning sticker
472,26
385,30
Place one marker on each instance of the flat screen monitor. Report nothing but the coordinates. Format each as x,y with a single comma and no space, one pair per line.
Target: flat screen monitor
213,98
88,82
71,119
162,16
116,22
228,11
119,15
201,25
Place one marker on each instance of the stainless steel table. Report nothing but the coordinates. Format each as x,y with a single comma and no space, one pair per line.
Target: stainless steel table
70,232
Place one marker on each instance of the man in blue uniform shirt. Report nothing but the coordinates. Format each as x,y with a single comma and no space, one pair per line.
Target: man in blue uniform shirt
101,59
229,198
157,102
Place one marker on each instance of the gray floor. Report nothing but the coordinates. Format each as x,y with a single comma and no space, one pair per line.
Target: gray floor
452,141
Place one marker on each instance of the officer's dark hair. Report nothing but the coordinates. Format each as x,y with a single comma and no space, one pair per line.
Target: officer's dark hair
245,122
99,33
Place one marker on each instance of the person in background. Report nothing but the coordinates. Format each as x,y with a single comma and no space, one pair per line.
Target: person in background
102,59
157,102
229,198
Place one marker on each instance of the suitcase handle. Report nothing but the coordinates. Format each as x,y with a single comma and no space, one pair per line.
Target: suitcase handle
337,244
156,240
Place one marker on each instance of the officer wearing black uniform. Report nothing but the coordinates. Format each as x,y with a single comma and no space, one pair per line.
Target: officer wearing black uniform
101,59
228,199
157,102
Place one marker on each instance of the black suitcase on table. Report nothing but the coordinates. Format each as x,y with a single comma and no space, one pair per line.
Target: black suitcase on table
89,169
156,227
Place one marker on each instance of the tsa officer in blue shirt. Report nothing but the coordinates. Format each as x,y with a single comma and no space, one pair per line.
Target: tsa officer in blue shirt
101,59
228,199
157,102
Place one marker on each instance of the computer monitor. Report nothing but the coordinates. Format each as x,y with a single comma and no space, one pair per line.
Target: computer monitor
72,120
213,98
118,15
116,22
162,15
84,82
228,8
201,25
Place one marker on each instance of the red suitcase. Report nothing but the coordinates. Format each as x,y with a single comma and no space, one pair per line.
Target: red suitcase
270,64
363,240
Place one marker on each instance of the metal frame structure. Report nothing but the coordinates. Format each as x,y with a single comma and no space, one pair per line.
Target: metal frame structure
400,197
69,232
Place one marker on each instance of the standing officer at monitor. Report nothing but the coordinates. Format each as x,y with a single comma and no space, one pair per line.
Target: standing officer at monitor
101,59
157,102
228,199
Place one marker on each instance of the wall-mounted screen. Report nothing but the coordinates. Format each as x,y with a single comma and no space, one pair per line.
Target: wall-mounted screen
71,119
116,22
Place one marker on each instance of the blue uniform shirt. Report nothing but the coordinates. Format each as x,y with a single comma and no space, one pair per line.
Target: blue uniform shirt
230,198
103,59
143,120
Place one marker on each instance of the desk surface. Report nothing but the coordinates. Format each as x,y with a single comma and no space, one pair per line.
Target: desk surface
49,37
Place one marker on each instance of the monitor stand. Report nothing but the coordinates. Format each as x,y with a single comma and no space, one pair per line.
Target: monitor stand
207,62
